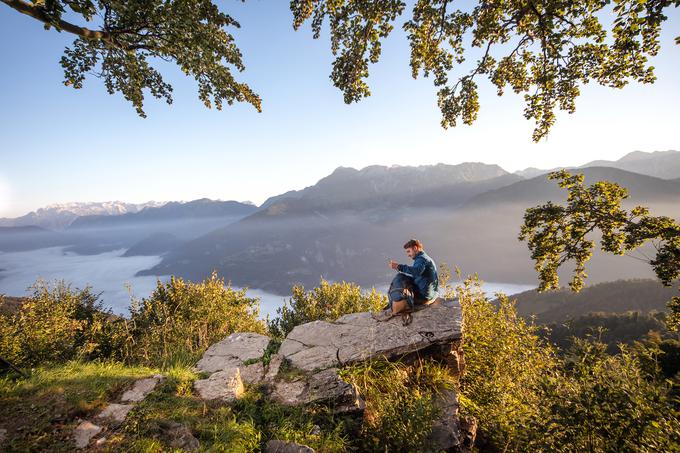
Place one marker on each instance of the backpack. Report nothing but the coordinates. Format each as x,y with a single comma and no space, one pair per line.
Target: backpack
401,294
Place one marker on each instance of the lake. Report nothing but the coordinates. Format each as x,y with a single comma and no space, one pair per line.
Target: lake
114,276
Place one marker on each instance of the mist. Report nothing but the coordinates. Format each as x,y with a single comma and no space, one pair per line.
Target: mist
108,273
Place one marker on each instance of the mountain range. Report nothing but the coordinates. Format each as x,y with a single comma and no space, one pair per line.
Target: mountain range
60,216
661,164
152,230
347,225
350,235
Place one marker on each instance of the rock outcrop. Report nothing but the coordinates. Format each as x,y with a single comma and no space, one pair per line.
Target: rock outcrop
305,369
357,337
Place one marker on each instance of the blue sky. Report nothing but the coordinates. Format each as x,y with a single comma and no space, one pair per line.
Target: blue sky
59,145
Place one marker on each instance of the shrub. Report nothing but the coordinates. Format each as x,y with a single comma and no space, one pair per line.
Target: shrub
506,362
58,323
606,402
527,397
400,402
181,319
328,301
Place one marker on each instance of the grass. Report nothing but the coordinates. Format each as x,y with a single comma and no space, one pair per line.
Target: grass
41,411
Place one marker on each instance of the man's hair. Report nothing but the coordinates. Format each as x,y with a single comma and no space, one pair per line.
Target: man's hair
414,243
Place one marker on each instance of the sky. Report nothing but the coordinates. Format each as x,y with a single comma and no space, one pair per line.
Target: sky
61,145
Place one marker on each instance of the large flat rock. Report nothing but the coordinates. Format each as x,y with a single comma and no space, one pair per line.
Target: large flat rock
356,337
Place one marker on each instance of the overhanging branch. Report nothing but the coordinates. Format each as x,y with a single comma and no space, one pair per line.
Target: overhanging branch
39,14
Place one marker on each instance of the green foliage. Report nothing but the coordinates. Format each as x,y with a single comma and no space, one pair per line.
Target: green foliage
528,398
175,324
608,403
559,234
58,323
506,362
181,319
545,50
400,406
328,301
130,35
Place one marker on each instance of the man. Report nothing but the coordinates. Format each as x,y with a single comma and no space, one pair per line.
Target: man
423,271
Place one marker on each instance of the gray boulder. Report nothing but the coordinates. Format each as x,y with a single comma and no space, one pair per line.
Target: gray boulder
446,435
233,351
225,385
322,387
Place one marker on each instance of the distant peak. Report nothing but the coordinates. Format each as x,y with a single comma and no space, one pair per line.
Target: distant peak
638,155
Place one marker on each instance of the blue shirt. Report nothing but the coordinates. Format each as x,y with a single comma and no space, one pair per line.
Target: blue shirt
424,273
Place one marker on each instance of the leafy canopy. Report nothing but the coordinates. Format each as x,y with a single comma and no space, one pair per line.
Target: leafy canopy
543,49
559,234
128,36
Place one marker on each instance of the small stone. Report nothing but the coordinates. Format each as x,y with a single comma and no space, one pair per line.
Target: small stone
3,435
101,441
115,412
225,385
322,387
84,433
179,436
140,389
279,446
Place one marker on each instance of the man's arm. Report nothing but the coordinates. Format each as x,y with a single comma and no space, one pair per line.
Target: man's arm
417,269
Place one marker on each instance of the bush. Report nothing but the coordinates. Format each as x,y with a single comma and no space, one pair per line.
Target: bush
181,319
506,362
58,323
400,402
607,403
328,301
528,397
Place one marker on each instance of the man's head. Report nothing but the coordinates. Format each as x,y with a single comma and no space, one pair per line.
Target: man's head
412,247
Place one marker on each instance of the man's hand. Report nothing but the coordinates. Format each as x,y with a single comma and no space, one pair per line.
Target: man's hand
394,264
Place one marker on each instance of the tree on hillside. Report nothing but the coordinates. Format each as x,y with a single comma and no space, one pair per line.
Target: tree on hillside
127,36
559,234
543,49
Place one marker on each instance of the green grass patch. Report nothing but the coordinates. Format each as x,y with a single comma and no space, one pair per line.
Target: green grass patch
41,411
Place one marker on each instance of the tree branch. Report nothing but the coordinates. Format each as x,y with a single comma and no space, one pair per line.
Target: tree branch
39,14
